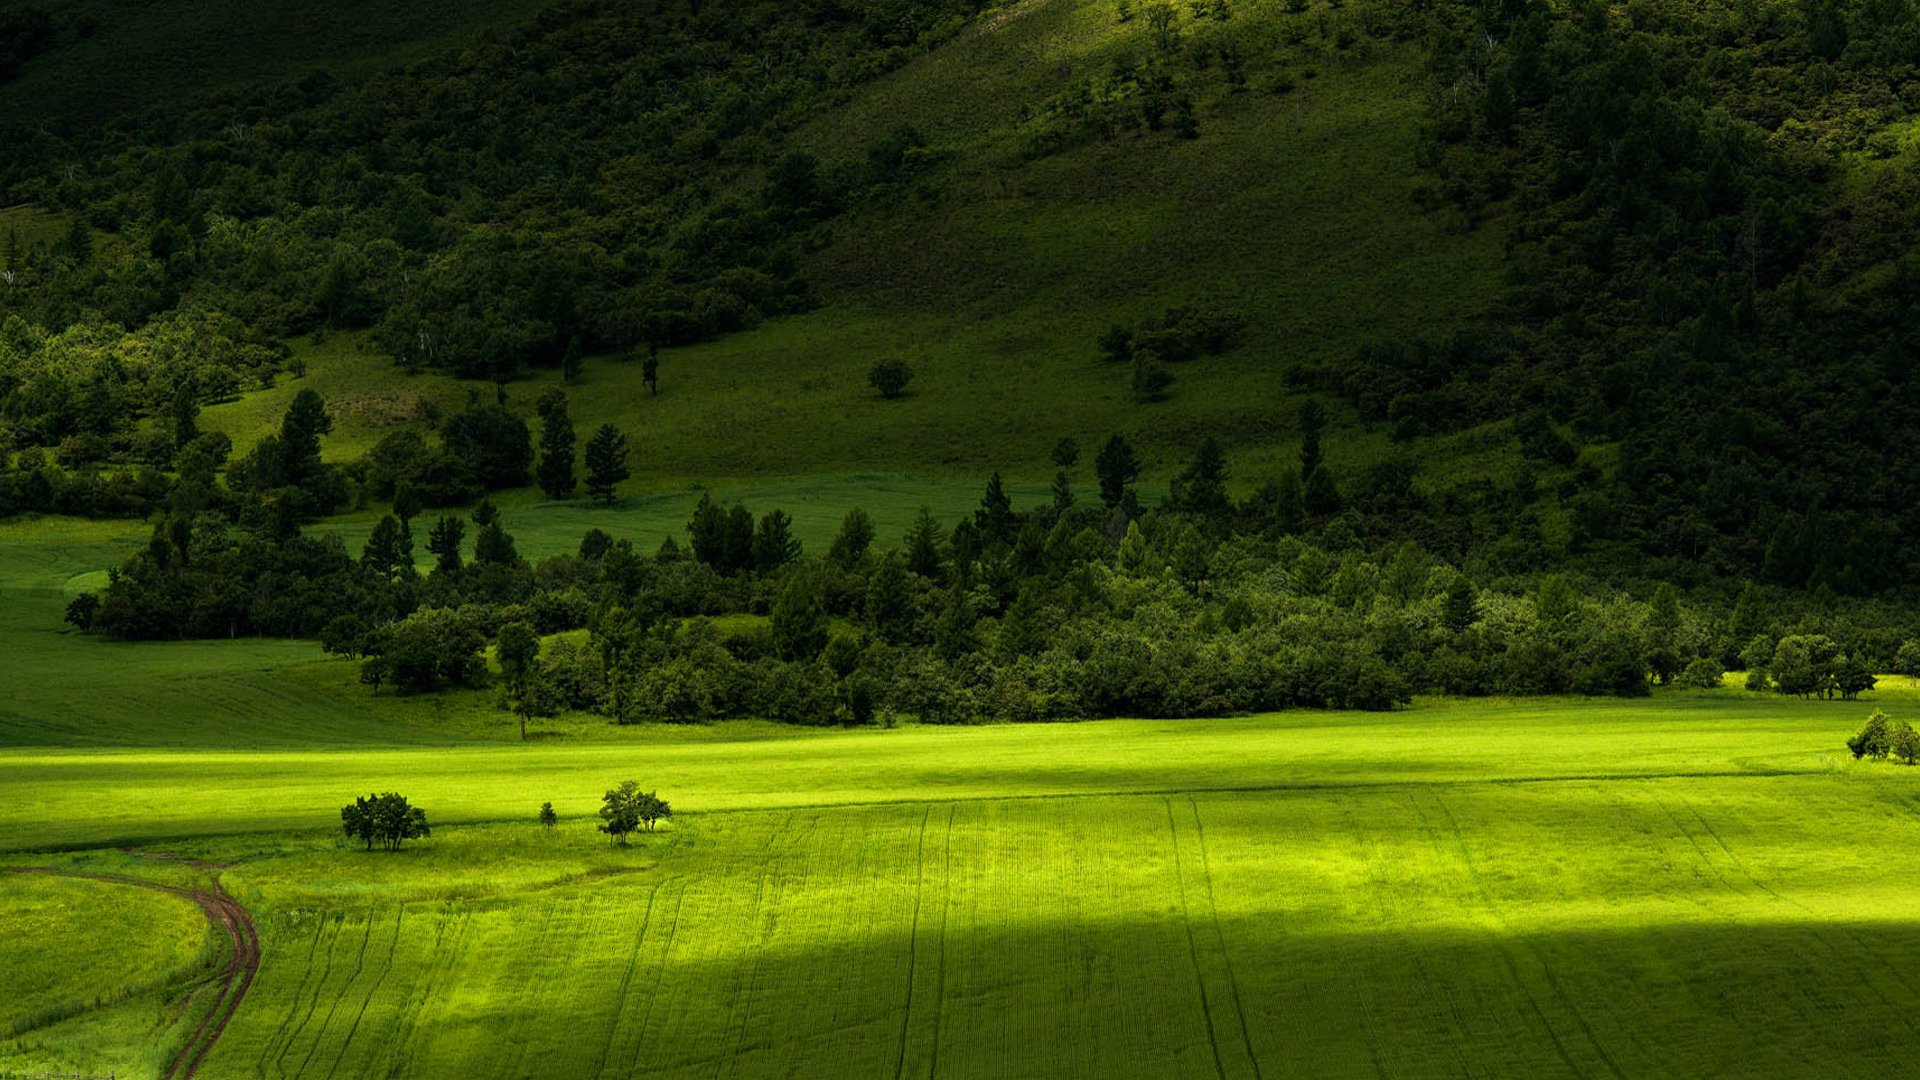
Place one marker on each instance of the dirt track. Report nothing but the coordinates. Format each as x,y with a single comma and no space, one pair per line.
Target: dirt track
243,958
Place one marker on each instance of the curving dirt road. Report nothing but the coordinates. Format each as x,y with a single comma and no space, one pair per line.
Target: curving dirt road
234,977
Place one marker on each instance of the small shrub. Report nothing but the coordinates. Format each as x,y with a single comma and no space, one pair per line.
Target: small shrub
890,377
1704,673
547,816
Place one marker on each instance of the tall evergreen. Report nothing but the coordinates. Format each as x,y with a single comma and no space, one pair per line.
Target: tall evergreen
606,462
555,471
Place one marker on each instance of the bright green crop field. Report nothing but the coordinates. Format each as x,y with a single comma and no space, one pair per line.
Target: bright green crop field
1699,884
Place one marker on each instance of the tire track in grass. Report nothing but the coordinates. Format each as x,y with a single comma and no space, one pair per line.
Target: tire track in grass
531,987
1220,936
767,910
233,978
940,968
1546,970
1193,949
913,943
659,980
313,1005
299,988
406,1022
359,965
626,979
1865,948
367,998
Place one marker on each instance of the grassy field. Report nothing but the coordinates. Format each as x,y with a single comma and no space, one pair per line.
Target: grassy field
1519,889
1698,884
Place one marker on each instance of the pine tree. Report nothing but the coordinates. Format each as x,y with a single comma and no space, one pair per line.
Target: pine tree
572,362
708,532
606,462
854,539
995,518
924,541
555,471
774,544
1117,468
1201,488
443,542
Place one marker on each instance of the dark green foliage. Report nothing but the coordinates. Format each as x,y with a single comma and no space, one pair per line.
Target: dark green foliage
548,818
799,619
1701,673
1905,744
924,546
851,543
626,809
995,519
774,544
890,377
1875,739
1201,488
606,462
556,446
387,819
620,811
1117,467
427,650
444,542
82,610
517,648
490,443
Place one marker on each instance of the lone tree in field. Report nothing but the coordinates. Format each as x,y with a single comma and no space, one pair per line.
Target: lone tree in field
547,816
890,377
620,811
650,373
1875,739
386,819
606,462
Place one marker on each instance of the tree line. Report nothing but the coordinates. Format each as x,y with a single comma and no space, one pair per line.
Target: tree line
1092,603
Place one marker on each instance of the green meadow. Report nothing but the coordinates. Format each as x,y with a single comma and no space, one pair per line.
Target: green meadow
1703,883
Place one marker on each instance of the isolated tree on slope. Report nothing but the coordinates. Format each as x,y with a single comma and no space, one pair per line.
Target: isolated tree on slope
606,462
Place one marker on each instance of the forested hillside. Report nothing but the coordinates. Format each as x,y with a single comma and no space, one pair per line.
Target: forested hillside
1624,289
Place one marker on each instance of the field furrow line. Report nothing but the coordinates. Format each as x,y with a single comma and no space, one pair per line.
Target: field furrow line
359,965
367,998
913,942
407,1022
313,1003
940,968
1220,936
299,988
626,980
1507,936
659,980
1193,949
